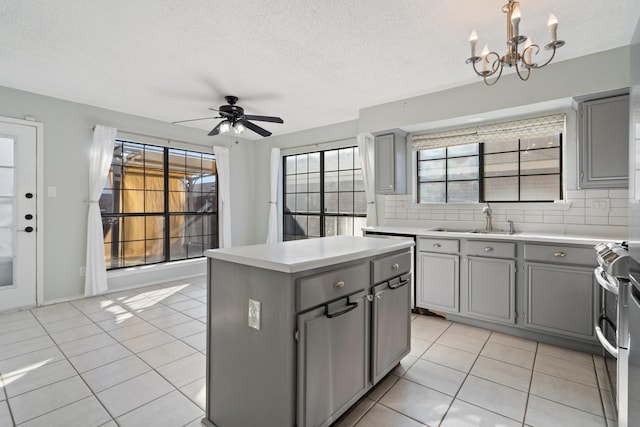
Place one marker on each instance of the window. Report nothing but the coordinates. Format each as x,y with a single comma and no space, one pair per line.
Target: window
521,170
449,175
158,204
323,194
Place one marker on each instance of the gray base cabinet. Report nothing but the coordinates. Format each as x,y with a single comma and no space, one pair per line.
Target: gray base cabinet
491,289
391,324
324,337
439,282
560,299
333,366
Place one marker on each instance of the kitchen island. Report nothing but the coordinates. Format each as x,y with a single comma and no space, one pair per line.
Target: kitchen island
298,331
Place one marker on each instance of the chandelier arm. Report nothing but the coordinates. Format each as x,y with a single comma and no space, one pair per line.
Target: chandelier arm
553,53
473,63
491,83
526,76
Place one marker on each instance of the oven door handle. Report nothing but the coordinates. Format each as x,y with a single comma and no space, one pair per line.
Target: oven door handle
603,340
601,277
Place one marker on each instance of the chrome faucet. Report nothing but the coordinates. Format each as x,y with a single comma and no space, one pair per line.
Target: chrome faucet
512,229
487,213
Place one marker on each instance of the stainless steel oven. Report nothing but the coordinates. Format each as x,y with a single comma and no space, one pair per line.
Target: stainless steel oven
612,325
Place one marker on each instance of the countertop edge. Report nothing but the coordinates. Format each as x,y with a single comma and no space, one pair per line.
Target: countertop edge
237,257
518,236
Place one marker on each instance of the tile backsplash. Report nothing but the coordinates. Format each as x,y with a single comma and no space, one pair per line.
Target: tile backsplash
593,212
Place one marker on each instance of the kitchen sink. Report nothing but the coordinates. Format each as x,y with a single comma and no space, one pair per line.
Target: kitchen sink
467,230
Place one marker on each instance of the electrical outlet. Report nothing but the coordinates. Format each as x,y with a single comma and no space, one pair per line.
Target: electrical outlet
83,271
602,204
254,314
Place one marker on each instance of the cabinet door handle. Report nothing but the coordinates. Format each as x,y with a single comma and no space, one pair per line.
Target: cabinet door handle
397,285
339,284
437,245
350,306
488,249
559,254
395,266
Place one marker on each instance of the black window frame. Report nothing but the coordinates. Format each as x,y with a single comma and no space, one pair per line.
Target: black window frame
446,180
116,259
482,177
291,216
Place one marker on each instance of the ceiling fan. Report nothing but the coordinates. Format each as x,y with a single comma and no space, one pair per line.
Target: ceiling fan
235,119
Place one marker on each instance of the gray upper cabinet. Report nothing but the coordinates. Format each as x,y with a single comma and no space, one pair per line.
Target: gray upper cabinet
391,162
604,142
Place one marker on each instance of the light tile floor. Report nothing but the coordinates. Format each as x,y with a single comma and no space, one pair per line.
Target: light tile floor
461,376
137,358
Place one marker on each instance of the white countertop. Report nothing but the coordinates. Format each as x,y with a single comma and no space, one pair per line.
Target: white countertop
525,236
301,255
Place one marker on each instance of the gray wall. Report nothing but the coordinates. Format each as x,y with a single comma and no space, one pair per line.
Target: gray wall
67,137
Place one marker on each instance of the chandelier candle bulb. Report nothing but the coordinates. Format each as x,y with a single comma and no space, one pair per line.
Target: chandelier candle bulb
515,21
552,23
526,58
485,58
473,39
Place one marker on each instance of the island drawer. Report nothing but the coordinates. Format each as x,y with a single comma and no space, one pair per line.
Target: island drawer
446,246
560,254
321,288
491,249
390,266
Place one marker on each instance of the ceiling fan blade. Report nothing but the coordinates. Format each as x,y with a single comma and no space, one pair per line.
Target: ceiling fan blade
216,130
264,118
193,120
257,129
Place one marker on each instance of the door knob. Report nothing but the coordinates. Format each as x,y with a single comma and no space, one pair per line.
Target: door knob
28,216
29,195
28,229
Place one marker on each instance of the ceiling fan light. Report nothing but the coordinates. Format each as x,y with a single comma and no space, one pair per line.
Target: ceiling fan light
225,126
238,128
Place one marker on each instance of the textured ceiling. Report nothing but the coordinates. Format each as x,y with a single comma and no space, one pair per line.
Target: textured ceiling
313,63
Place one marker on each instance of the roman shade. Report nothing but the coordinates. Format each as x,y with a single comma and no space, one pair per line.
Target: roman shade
507,131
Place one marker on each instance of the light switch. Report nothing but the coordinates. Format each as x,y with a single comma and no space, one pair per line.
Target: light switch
52,191
254,314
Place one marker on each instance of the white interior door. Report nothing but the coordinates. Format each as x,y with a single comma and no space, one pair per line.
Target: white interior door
17,215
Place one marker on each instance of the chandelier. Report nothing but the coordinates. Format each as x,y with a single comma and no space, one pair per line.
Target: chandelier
522,60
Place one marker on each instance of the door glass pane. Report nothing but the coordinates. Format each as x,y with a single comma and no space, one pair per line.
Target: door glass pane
6,181
6,212
6,152
6,256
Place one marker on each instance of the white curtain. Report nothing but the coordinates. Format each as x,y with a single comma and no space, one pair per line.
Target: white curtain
224,191
366,151
100,161
272,230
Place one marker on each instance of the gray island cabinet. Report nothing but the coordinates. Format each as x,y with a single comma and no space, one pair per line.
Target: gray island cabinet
298,331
